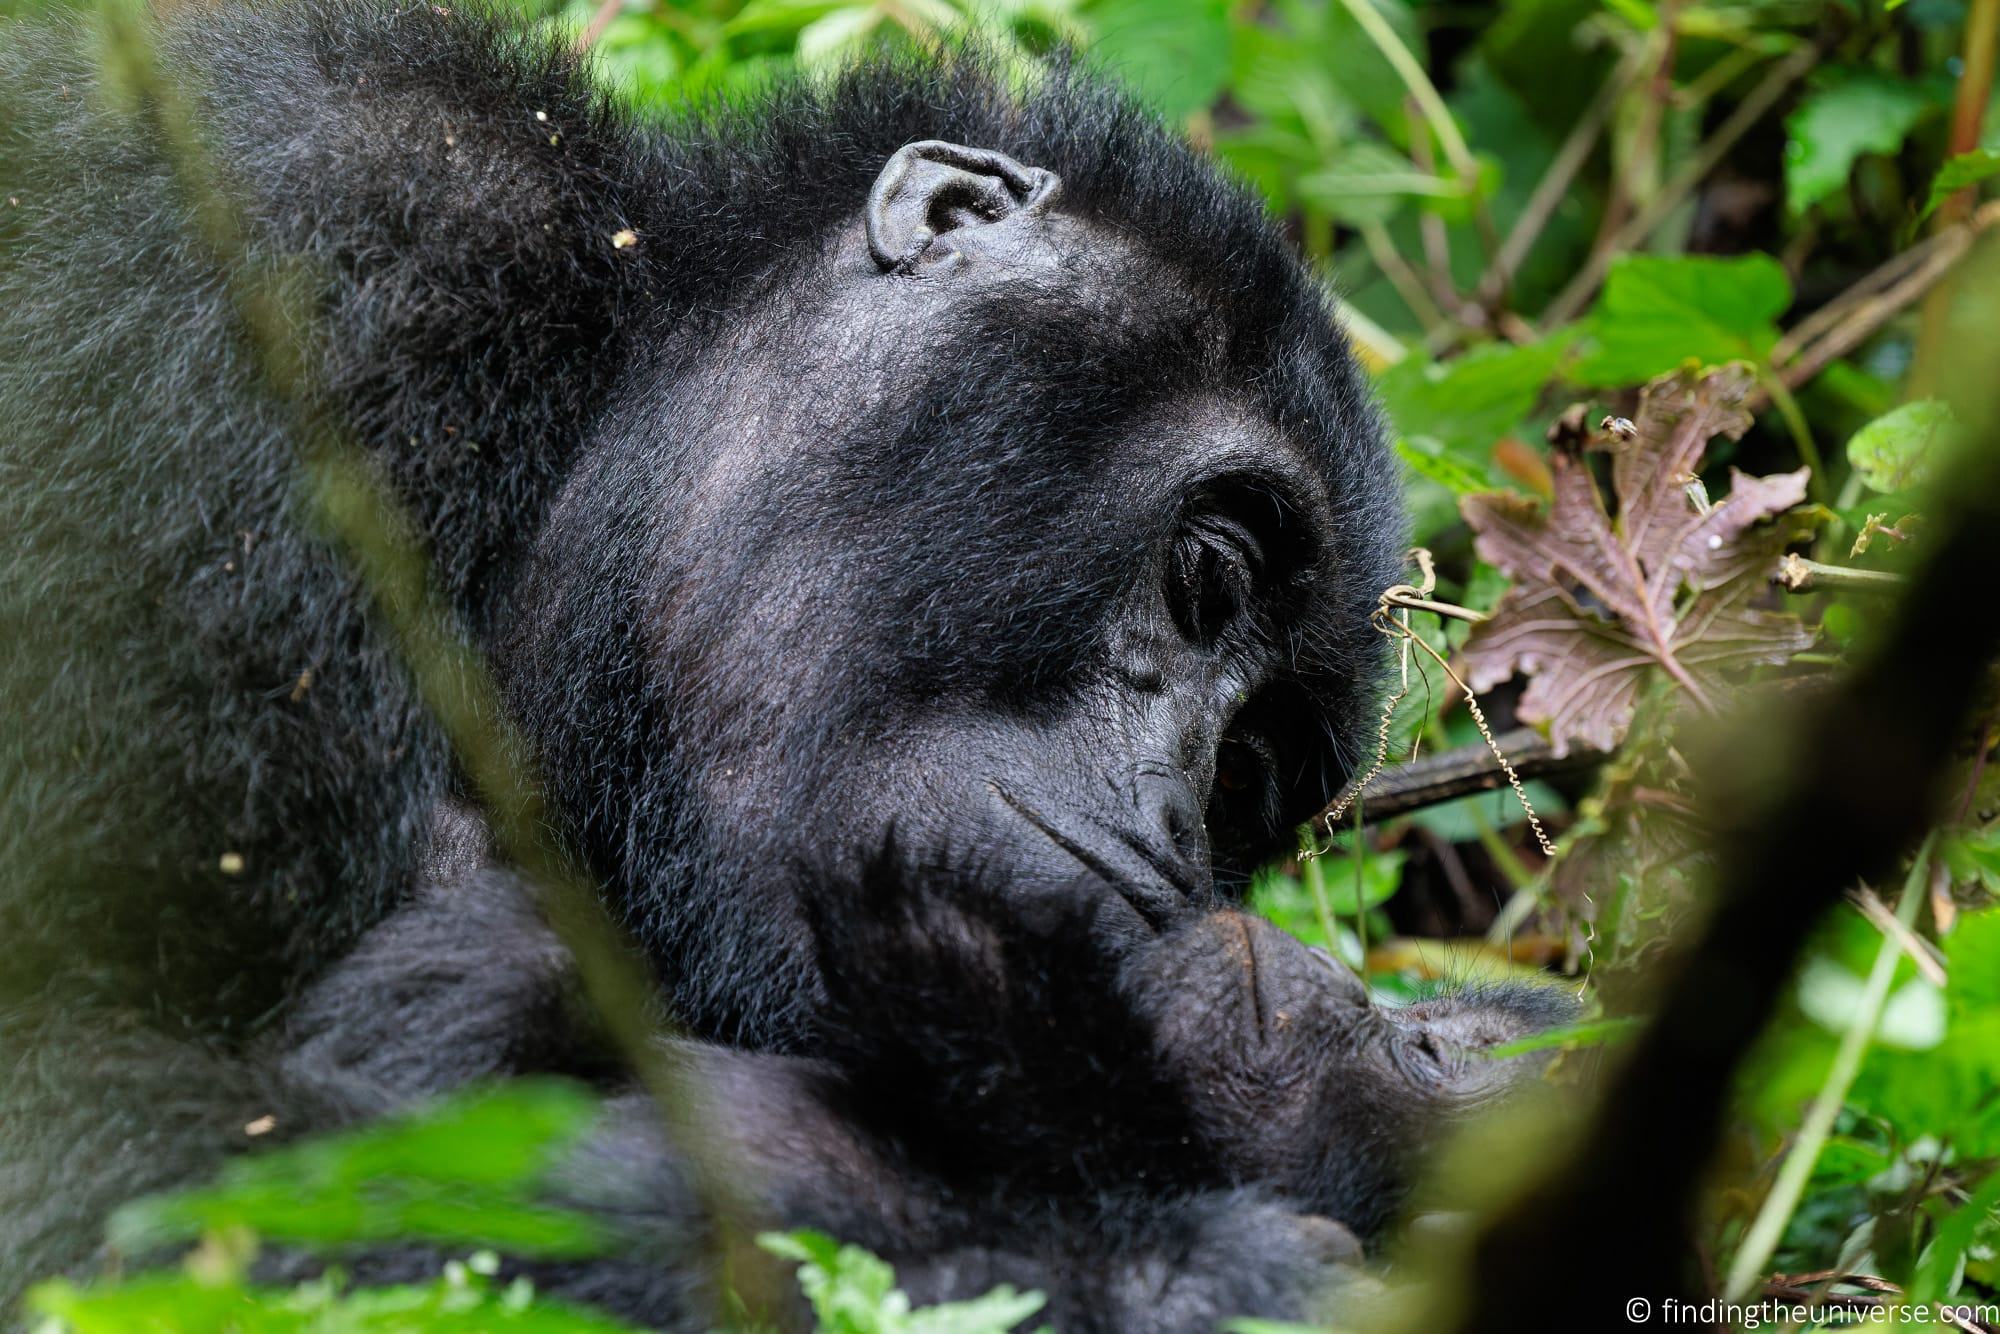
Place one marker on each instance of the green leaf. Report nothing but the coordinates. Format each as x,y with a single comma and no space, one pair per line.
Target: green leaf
1368,183
780,16
1913,1018
854,1292
1287,902
1358,69
1427,458
1281,70
838,36
1902,448
463,1173
1959,172
1173,53
1657,312
1973,858
636,53
1545,52
1864,112
1270,158
1469,402
1947,1090
461,1302
1460,819
1955,1236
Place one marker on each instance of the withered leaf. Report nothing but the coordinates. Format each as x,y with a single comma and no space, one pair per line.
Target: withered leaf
1598,603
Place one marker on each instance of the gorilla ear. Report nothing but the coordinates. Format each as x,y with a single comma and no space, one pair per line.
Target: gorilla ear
930,190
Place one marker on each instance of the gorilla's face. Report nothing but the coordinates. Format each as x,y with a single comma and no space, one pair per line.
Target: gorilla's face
985,533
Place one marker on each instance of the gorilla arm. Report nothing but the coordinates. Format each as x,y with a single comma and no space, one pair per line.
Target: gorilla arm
1024,1087
468,982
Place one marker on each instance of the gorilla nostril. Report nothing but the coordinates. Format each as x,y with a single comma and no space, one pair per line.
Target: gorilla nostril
1182,820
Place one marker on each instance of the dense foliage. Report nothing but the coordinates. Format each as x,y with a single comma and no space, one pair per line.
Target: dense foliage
1767,211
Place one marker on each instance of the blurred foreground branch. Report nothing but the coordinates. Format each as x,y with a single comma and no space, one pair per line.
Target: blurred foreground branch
279,328
1859,786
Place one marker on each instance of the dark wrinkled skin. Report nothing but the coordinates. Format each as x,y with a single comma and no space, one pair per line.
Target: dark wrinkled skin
931,567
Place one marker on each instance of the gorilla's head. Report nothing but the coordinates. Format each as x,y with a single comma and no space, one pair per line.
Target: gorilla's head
1026,507
1279,1055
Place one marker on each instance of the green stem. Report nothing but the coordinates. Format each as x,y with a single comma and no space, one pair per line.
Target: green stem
1315,878
1571,300
1975,91
1361,883
1421,88
1408,284
1801,433
1754,1254
1517,875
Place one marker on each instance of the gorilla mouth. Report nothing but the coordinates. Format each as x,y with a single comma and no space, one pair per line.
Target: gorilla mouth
1159,887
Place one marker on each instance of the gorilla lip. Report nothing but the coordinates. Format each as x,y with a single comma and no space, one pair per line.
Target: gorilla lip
1157,909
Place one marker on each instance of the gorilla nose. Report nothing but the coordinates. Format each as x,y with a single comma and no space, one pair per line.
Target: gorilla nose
1172,814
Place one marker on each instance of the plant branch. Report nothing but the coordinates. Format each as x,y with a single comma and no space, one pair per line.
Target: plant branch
1376,345
344,493
1928,958
600,19
1861,318
1796,574
1408,283
1877,280
1420,87
1436,238
1975,89
1630,178
1634,232
1747,1267
1554,186
1794,417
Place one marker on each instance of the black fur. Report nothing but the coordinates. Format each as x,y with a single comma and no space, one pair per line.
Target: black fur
879,634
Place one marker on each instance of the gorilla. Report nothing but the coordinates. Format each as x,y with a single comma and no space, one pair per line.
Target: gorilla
923,523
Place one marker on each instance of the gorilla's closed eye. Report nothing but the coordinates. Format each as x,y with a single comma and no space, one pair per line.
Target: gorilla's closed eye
1238,540
1212,575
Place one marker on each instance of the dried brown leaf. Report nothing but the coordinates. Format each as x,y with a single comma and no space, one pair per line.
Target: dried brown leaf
1599,603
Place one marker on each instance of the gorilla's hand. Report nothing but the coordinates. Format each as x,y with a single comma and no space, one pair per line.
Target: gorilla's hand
980,1023
1017,1084
1044,1038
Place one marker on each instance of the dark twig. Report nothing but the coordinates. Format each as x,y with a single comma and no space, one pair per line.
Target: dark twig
1661,45
1873,303
1462,771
